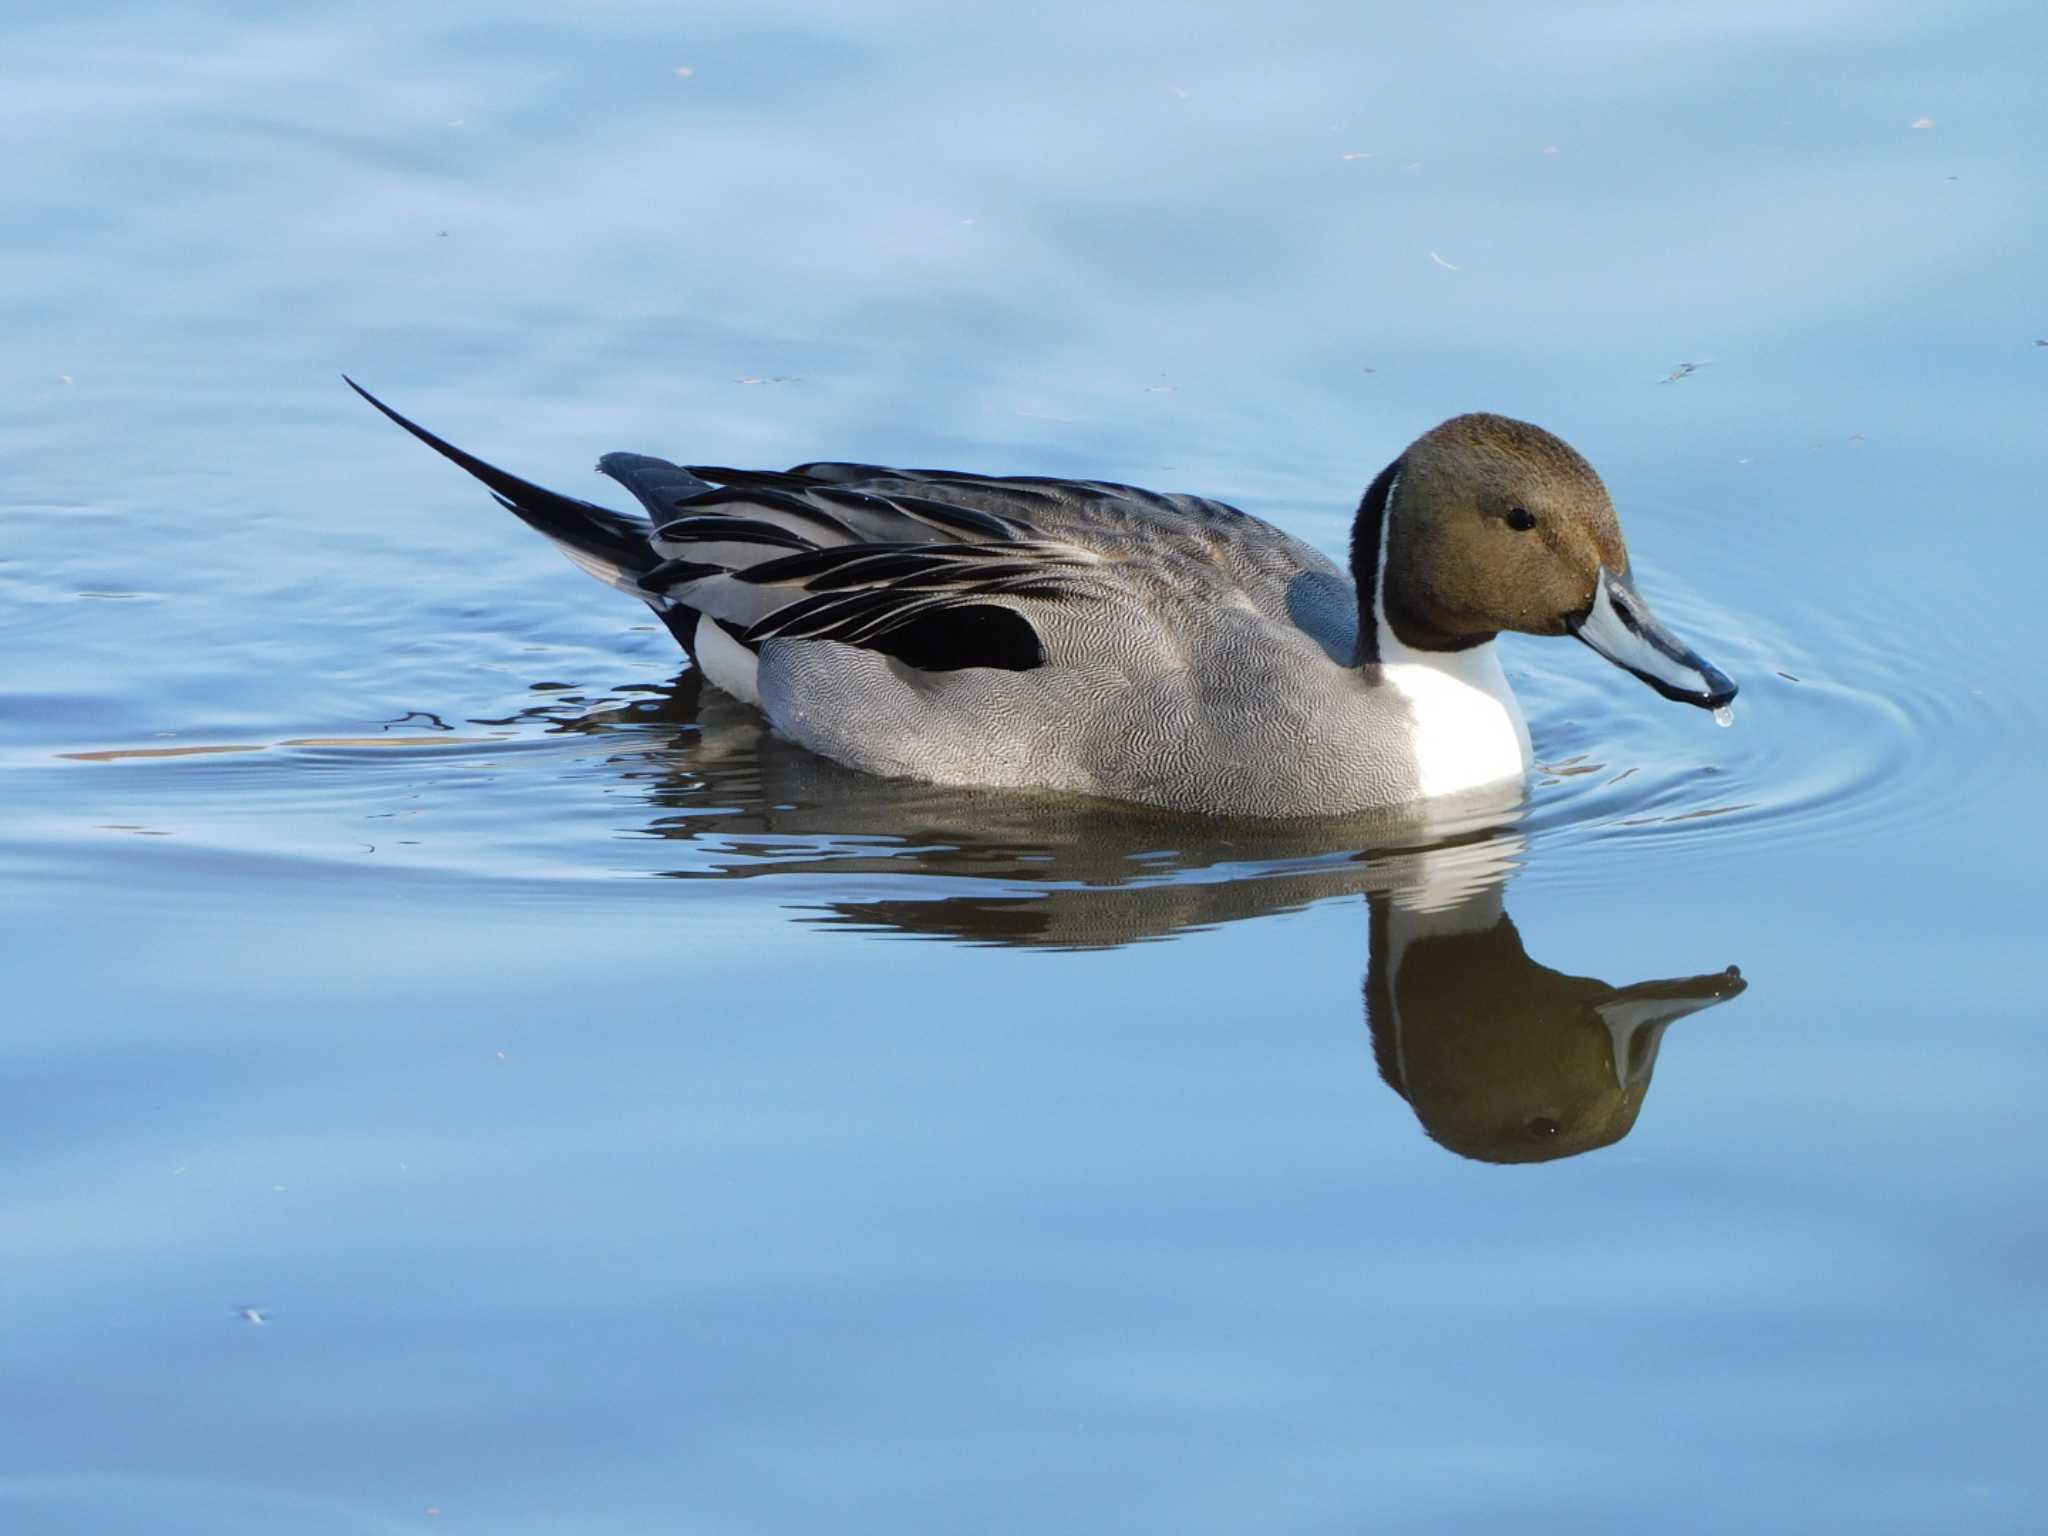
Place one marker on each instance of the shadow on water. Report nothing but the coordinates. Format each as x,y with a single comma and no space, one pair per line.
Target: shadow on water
1501,1058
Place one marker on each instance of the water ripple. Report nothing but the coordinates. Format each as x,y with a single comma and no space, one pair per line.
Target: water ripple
1847,735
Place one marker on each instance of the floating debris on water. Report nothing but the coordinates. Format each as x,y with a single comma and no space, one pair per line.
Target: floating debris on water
1684,370
122,755
1724,717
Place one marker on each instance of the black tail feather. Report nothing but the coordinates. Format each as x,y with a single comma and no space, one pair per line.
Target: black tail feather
612,537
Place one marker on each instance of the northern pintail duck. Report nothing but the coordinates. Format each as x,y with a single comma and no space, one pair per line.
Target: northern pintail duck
1105,640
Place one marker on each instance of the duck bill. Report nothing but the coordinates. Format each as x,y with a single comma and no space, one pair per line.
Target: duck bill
1621,627
1636,1016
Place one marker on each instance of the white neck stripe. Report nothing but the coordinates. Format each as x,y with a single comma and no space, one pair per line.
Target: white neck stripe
1383,632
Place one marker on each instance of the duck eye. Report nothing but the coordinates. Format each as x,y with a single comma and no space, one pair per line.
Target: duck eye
1521,519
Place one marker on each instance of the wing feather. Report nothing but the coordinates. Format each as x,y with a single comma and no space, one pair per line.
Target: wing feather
787,556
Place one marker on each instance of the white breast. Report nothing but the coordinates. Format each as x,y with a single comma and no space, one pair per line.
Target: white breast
1468,730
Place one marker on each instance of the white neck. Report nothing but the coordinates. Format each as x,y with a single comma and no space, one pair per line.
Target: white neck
1469,731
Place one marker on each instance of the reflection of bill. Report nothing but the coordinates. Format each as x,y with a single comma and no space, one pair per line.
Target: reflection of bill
1500,1058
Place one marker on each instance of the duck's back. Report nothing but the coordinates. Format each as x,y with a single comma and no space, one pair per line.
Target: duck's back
1175,548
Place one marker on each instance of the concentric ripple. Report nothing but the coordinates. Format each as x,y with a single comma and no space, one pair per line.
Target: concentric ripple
1845,733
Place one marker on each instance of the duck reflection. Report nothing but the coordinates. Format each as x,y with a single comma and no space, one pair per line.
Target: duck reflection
1500,1057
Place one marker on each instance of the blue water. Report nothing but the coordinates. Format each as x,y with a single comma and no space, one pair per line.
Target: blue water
461,1075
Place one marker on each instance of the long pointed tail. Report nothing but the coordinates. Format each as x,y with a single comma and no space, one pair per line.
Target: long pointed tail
612,546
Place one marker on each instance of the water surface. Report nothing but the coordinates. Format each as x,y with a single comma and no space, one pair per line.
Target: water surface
464,1075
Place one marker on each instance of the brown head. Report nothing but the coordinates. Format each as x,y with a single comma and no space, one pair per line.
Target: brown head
1492,524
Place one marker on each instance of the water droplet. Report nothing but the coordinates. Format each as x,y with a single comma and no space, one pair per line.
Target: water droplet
1724,717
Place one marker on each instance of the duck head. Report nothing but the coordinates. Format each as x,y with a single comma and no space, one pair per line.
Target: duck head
1487,524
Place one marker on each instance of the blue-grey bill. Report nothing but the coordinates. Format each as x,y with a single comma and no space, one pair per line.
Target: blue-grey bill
1621,627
